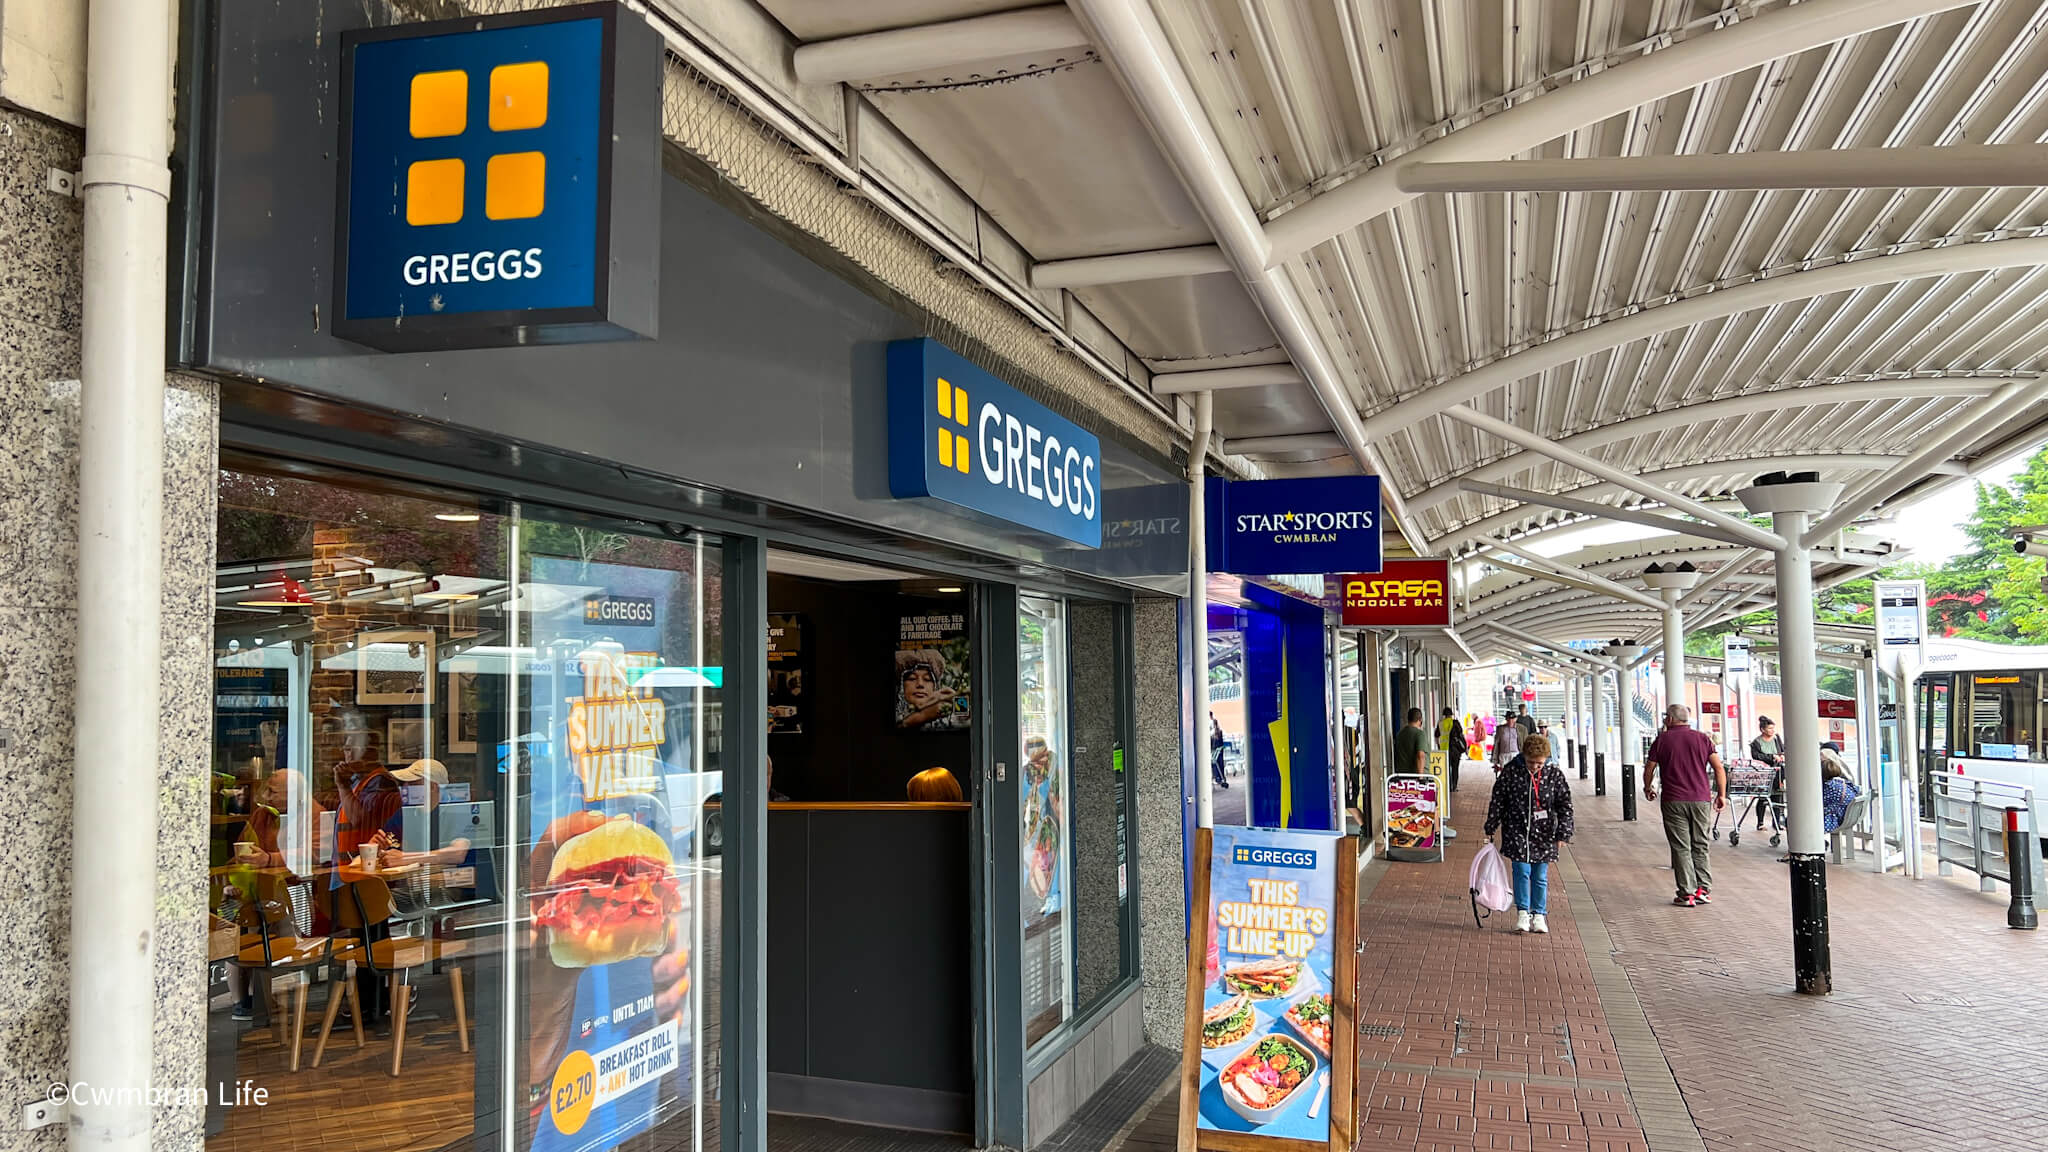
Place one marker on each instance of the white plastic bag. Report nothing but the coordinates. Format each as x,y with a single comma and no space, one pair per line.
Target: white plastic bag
1491,885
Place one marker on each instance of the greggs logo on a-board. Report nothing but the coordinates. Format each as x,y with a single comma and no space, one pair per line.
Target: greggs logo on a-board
1403,593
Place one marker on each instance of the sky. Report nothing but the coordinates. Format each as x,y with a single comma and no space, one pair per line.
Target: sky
1933,527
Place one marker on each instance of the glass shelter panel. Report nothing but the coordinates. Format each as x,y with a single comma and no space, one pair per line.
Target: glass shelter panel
1042,722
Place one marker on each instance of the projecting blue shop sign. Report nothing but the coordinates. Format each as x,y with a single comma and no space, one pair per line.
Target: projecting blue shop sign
1281,527
958,434
500,181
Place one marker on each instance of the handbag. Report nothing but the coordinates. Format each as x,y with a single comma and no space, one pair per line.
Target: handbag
1491,885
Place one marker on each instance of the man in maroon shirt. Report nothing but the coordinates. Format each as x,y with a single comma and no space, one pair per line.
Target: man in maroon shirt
1690,798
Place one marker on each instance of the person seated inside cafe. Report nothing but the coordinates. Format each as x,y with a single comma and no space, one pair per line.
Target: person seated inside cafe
259,846
934,786
433,775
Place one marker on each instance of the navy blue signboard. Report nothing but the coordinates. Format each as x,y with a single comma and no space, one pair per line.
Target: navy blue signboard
958,434
500,180
1312,525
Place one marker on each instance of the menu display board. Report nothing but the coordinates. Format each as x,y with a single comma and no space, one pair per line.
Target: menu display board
1414,817
609,1007
1269,1045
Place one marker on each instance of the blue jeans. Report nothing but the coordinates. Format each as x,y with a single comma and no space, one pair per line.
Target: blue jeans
1532,886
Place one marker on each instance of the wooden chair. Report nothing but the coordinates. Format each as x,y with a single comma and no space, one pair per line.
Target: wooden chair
358,907
272,944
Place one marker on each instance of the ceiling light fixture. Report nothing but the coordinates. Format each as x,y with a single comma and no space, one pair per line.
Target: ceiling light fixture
949,589
459,517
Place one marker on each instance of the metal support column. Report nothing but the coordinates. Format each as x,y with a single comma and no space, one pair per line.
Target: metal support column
1624,657
1792,505
743,924
1870,728
1599,738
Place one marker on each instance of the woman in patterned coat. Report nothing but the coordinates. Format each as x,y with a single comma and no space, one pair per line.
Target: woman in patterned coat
1532,810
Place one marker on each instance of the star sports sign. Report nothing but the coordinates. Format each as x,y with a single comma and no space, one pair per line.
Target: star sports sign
1314,525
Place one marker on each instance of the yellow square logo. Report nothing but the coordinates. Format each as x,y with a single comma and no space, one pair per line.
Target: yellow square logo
515,185
519,96
433,192
440,104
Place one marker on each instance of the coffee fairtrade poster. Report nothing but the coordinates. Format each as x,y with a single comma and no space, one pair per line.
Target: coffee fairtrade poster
1268,1012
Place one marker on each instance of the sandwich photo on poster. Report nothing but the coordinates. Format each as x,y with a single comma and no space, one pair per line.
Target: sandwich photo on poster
1267,1003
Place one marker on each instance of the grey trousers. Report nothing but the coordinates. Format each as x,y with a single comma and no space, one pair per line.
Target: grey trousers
1685,826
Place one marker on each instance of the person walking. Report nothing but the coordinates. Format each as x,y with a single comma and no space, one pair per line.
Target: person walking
1218,743
1524,721
1450,736
1531,808
1682,755
1770,750
1411,755
1507,743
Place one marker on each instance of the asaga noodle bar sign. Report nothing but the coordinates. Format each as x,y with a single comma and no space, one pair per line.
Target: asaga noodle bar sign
958,434
1280,527
500,181
1268,1016
1414,593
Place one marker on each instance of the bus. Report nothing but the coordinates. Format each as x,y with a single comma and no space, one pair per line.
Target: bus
1982,711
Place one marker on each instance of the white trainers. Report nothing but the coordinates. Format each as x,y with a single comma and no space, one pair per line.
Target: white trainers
1522,920
1539,924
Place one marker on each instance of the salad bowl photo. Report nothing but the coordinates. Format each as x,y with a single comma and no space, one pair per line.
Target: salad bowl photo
1312,1018
1269,1078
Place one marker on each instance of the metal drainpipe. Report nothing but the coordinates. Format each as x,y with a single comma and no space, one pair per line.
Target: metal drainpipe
126,183
1198,605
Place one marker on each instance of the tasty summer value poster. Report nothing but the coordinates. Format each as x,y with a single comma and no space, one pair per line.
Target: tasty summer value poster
1267,1013
608,1009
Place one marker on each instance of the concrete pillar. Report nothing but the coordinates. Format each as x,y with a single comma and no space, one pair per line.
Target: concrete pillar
1792,506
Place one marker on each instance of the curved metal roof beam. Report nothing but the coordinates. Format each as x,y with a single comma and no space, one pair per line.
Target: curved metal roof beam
1707,306
1723,52
1710,411
1802,462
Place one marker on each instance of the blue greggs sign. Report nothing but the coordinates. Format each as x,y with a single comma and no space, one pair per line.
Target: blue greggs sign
1311,525
499,181
958,434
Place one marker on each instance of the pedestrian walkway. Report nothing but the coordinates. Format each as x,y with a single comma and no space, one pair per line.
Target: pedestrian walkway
1635,1025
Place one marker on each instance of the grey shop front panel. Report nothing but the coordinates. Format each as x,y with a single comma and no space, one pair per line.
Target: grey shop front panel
767,382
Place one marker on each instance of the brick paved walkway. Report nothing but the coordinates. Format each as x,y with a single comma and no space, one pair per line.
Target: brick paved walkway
1936,1037
1637,1025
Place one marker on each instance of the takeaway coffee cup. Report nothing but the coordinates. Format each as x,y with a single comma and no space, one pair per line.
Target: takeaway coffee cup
367,856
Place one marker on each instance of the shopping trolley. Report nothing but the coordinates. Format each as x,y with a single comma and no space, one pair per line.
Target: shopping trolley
1750,792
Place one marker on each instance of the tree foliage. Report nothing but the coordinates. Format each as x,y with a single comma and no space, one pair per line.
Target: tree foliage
1985,593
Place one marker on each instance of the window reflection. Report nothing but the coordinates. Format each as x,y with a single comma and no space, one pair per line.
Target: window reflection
458,755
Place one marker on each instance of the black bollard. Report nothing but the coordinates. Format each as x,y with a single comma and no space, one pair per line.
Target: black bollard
1582,761
1628,791
1599,773
1812,965
2019,864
